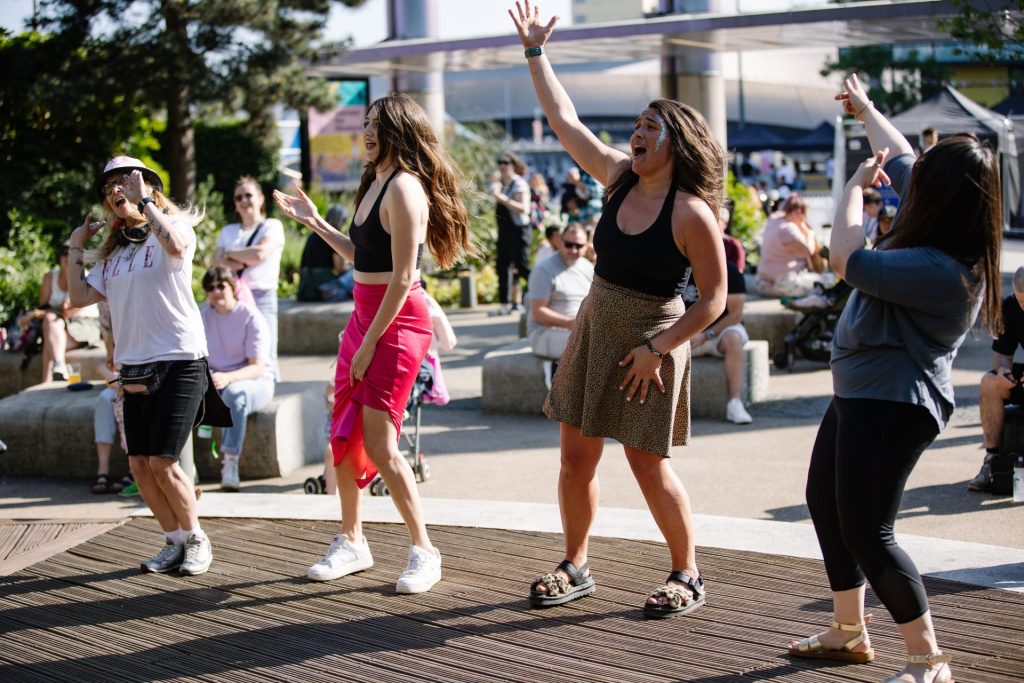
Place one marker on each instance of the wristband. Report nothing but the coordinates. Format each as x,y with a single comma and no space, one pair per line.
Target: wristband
650,347
143,202
535,51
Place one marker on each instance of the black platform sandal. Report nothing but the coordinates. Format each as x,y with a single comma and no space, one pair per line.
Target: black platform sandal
679,601
559,590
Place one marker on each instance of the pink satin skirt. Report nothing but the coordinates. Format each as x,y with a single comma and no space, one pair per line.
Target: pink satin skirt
389,379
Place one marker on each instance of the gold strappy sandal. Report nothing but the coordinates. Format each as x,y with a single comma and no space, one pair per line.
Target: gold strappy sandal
935,663
811,648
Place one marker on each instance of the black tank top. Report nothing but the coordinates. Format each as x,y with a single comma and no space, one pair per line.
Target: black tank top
373,243
648,262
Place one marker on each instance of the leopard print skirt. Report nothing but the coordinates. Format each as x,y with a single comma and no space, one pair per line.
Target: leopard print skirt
612,321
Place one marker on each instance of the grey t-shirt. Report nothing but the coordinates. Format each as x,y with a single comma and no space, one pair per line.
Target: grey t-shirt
906,318
562,286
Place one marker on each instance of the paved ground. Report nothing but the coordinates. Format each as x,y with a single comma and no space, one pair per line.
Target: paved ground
755,472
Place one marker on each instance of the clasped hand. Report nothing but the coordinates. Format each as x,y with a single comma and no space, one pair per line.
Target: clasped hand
644,368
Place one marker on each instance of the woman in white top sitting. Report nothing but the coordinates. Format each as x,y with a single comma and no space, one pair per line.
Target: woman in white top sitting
252,249
64,326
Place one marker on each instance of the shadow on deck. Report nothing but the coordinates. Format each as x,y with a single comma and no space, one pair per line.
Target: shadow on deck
88,614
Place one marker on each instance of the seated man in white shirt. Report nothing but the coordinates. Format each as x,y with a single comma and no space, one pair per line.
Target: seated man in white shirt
558,285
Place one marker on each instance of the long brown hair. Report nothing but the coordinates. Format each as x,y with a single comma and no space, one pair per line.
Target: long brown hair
407,141
954,204
699,166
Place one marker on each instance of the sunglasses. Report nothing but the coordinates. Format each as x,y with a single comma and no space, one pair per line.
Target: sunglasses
220,287
120,181
504,161
244,195
572,245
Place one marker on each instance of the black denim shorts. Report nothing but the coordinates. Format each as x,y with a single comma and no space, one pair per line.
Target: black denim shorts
160,423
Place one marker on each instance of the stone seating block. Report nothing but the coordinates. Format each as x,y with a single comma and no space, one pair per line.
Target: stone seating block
13,379
513,381
769,320
310,328
49,433
708,390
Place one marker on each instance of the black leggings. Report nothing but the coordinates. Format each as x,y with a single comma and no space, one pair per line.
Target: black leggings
862,457
513,258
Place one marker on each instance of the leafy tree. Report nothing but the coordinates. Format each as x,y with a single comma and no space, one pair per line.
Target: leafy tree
895,85
63,109
222,54
993,33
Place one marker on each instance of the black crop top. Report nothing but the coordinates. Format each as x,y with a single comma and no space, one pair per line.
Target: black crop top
373,243
647,262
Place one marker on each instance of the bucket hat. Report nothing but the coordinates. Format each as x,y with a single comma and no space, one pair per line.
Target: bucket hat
124,164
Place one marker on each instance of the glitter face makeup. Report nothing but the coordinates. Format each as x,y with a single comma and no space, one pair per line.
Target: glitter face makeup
663,135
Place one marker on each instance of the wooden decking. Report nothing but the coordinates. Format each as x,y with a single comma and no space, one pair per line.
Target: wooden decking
87,614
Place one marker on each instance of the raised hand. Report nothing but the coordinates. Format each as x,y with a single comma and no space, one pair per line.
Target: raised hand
870,172
532,31
84,232
301,208
855,100
134,189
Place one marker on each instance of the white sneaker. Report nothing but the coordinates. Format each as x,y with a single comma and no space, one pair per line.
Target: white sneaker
422,572
198,556
342,558
736,413
229,480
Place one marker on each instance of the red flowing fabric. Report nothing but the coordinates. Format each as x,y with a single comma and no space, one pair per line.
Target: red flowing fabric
389,379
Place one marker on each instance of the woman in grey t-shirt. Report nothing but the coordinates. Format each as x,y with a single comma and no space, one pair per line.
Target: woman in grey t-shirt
915,297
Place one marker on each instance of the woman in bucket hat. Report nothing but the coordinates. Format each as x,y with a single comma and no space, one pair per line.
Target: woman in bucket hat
144,272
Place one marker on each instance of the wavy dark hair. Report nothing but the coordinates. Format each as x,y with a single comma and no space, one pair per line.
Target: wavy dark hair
699,166
954,204
407,141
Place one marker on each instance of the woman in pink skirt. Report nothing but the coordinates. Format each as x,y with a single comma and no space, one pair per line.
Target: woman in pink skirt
408,196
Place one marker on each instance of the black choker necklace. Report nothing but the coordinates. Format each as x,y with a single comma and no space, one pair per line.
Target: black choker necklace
136,234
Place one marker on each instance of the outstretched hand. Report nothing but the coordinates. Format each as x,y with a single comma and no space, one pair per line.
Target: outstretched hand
855,100
870,172
301,208
532,31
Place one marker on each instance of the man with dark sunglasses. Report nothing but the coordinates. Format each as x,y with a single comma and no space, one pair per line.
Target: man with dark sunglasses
558,285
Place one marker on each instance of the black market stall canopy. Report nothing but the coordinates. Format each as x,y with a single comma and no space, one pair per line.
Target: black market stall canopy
948,112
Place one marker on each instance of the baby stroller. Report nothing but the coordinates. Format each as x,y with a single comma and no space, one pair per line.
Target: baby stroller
811,338
428,388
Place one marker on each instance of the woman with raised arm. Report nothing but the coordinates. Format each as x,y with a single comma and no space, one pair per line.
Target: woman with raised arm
144,272
626,370
916,296
408,195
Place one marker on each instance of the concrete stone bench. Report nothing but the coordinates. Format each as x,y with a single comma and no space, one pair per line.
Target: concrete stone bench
49,433
13,379
764,319
513,381
310,328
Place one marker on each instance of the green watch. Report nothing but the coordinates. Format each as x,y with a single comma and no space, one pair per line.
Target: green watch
710,334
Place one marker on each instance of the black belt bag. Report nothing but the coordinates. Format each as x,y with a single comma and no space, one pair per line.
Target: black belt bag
144,379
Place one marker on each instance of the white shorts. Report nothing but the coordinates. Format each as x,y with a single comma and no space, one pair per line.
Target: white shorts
711,346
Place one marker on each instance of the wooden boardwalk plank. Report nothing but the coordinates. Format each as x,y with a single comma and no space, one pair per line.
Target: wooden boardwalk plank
88,614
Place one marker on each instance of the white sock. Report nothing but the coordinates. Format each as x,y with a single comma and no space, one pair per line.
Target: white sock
197,532
172,536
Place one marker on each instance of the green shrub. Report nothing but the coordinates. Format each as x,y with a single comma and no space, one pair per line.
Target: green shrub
23,263
747,216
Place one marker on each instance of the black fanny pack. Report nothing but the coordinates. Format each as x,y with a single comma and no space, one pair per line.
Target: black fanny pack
144,379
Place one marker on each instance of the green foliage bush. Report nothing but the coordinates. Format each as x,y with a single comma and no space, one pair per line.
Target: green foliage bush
747,216
23,262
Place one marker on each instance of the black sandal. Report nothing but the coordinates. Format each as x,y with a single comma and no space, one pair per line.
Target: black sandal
679,601
559,590
102,484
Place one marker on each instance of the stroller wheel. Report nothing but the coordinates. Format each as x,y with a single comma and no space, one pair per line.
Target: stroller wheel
781,359
422,469
312,486
378,487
